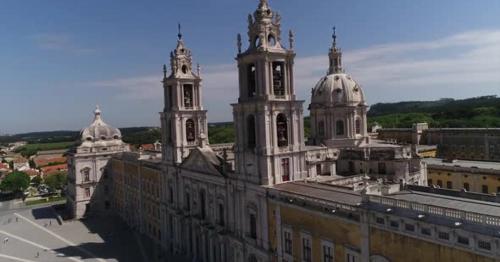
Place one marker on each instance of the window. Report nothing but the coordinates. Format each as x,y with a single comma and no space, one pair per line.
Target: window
251,131
443,235
221,214
425,231
394,224
171,194
285,169
188,96
380,220
190,132
251,80
351,167
429,182
339,128
321,128
253,226
498,189
86,174
486,245
358,126
463,240
318,169
327,252
187,204
282,130
410,227
203,212
278,83
484,189
440,183
87,192
306,249
381,168
449,184
466,186
350,257
287,242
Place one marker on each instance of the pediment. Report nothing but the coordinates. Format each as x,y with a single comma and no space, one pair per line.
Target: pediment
203,160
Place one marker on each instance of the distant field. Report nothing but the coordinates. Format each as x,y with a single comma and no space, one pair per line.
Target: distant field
31,149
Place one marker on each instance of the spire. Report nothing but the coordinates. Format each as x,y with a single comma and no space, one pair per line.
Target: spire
179,33
335,56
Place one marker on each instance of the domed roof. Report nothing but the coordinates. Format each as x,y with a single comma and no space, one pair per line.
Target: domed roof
337,89
99,130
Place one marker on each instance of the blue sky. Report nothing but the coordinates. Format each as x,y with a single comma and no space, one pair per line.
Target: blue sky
60,58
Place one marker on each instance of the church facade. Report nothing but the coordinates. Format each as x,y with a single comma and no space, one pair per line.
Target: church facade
272,196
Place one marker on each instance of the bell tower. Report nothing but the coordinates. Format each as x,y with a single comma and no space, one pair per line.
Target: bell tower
184,121
268,118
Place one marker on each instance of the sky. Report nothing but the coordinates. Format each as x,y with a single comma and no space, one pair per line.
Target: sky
59,58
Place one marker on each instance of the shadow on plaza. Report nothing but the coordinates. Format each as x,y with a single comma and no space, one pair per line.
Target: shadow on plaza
118,242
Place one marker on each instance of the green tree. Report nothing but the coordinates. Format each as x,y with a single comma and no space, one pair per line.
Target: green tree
15,182
56,181
36,180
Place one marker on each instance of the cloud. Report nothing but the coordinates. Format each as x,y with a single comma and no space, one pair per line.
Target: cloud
59,42
463,63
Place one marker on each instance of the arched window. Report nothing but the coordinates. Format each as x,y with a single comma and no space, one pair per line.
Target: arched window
358,126
190,132
188,96
282,130
271,40
321,128
251,131
257,42
339,128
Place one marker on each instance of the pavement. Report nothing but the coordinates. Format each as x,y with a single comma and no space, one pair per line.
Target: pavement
30,234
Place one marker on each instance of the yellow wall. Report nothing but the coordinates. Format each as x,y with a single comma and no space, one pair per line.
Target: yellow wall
396,247
340,232
475,180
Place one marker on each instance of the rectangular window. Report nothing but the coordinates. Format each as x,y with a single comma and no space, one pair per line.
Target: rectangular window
251,80
306,249
221,214
463,240
449,185
466,186
285,169
327,252
203,212
188,96
287,241
484,189
486,245
87,192
380,220
187,204
394,224
278,77
409,227
429,182
425,231
253,226
443,235
440,183
318,169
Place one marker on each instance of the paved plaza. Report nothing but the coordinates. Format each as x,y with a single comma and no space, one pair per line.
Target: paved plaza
38,234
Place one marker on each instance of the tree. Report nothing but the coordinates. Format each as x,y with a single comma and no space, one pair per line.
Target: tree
36,180
15,182
56,181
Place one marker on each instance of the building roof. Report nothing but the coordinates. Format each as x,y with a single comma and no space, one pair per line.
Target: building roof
54,169
320,192
463,163
457,203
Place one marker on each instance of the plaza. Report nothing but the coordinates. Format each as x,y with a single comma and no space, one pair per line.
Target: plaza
39,234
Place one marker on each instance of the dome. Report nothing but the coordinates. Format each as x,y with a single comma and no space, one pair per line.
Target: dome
338,89
99,130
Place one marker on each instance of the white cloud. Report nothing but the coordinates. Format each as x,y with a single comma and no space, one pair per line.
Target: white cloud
58,41
461,62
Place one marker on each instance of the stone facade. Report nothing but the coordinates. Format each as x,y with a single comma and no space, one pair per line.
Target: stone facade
88,189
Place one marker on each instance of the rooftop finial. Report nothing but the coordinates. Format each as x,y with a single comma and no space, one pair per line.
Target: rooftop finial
263,3
198,69
334,36
238,39
291,38
164,71
179,34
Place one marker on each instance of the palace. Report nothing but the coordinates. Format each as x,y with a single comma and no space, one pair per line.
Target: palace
272,196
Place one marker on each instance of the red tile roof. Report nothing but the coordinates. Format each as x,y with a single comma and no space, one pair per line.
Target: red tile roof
54,169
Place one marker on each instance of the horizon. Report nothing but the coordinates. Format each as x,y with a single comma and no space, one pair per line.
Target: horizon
81,56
